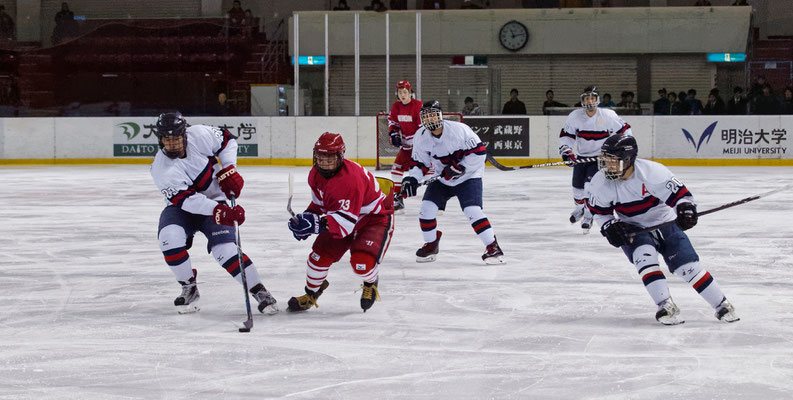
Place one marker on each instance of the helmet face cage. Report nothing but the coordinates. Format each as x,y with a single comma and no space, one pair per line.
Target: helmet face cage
617,156
172,125
590,98
329,154
612,166
431,118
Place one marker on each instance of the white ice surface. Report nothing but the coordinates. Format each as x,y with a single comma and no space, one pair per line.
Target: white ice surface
86,300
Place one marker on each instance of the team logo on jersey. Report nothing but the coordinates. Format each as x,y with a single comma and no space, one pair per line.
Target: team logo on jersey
644,190
705,137
314,256
131,129
360,267
405,118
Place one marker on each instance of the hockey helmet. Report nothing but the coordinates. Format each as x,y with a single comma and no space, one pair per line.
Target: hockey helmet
404,85
172,125
329,154
617,155
431,115
587,96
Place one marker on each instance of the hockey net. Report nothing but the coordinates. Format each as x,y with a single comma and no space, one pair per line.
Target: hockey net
386,153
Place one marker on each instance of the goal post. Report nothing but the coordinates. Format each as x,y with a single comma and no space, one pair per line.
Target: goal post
386,153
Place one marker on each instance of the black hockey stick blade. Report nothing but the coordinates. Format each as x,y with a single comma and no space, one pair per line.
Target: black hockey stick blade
246,326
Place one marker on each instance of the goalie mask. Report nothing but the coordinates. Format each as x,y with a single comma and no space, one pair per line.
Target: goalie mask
172,134
431,115
617,156
590,98
329,154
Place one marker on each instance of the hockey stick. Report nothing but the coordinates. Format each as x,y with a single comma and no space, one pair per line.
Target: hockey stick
291,193
489,158
247,325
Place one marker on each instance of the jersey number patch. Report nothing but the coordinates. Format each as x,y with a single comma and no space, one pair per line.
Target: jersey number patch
674,185
344,204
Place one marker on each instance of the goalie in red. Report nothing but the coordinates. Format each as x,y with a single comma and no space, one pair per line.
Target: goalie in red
348,211
403,122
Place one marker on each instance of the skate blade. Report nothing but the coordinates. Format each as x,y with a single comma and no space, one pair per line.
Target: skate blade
272,309
440,212
584,231
670,321
429,258
187,309
495,260
729,317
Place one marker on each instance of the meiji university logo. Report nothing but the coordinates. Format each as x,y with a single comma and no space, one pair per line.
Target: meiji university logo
705,137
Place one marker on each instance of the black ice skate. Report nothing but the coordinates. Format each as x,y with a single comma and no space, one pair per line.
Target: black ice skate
725,312
577,213
370,295
307,300
586,224
399,205
668,313
429,252
267,303
187,302
493,254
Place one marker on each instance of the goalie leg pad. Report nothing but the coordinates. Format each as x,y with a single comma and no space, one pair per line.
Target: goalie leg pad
365,266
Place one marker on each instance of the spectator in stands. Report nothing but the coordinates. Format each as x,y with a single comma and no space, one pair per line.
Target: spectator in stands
236,18
675,108
702,3
434,4
342,6
398,4
715,105
221,108
756,89
740,3
681,97
65,25
248,24
471,108
377,5
737,104
787,101
662,106
6,25
605,101
550,102
627,101
470,5
766,103
694,105
514,106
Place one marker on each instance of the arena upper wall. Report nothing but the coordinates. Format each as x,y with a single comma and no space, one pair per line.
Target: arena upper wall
688,140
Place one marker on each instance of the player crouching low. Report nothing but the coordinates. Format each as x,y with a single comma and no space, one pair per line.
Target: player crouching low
457,152
645,194
348,211
195,188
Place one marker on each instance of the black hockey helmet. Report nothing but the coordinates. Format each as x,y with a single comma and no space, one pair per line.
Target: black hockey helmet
590,91
431,115
617,155
172,124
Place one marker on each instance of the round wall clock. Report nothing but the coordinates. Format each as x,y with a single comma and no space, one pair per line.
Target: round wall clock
513,36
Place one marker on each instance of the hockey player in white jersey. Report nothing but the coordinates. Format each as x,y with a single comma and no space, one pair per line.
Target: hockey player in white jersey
458,155
187,172
645,194
582,135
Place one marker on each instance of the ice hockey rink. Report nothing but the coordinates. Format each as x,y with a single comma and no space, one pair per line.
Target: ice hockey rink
86,300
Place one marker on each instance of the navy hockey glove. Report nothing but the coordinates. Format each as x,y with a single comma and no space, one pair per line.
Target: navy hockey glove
568,155
686,215
230,181
396,137
618,233
305,224
453,170
410,186
225,215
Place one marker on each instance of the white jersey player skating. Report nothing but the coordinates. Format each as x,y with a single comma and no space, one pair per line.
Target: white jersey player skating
583,133
195,187
458,155
644,194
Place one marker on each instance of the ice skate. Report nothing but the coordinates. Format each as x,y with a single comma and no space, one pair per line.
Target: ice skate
577,213
726,312
370,295
493,254
586,224
668,313
399,205
429,252
187,302
307,300
267,303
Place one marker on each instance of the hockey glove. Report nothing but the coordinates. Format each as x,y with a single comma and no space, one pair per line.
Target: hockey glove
686,215
225,215
396,137
410,186
230,181
618,233
568,155
305,224
453,170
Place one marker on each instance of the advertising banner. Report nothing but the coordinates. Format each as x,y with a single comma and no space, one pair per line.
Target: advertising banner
137,137
503,136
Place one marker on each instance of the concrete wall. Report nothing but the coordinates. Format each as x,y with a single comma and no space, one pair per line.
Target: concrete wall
687,140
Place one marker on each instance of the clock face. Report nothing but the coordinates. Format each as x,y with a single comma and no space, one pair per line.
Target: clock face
513,35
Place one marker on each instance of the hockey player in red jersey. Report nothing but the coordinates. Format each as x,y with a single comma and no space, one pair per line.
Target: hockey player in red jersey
403,122
187,173
348,211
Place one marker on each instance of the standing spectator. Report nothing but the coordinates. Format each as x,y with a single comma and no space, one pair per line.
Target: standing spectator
787,101
514,106
662,105
549,102
627,101
434,4
398,4
675,108
236,18
737,104
606,101
376,5
715,105
248,24
756,89
694,105
65,25
766,103
342,6
683,103
470,107
221,108
6,25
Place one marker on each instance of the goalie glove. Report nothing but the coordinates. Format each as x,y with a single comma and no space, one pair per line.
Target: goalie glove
396,137
618,233
686,215
568,155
